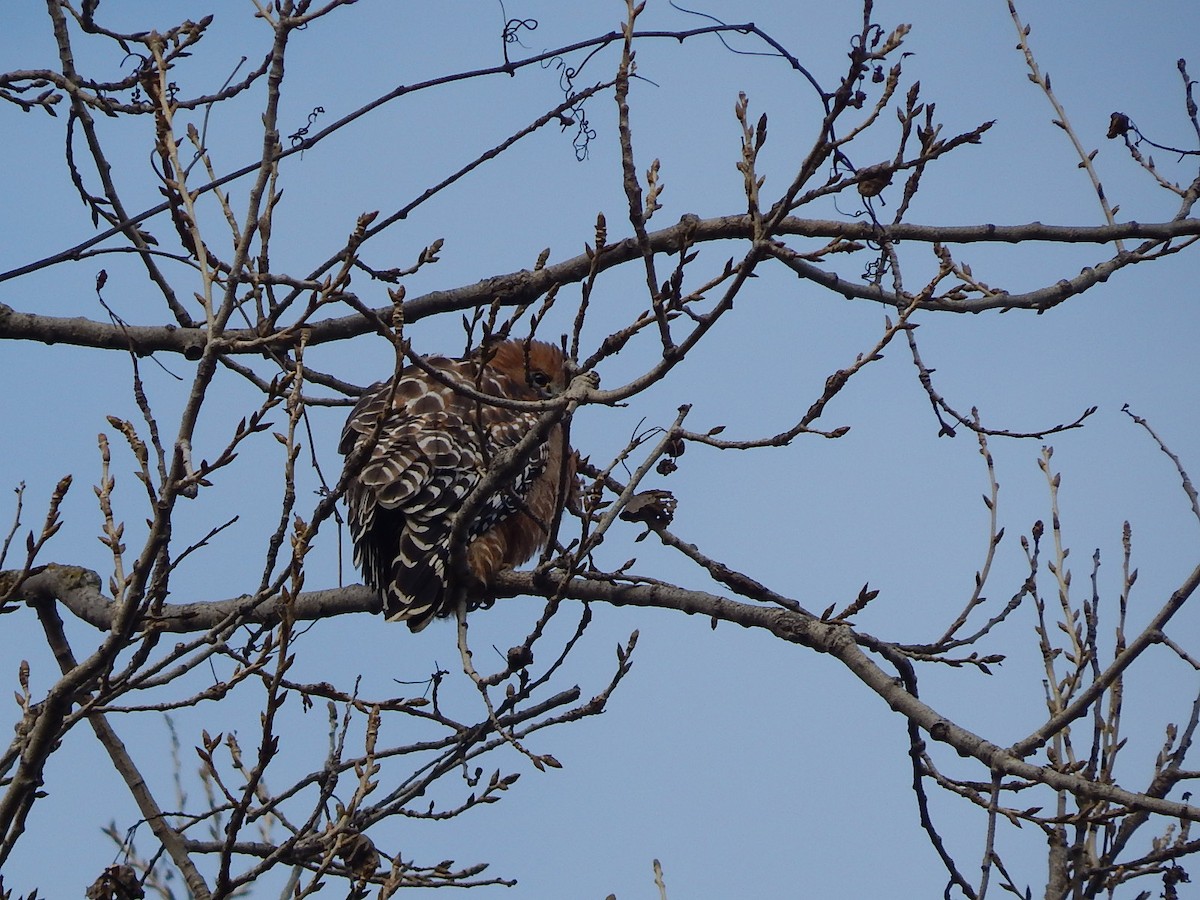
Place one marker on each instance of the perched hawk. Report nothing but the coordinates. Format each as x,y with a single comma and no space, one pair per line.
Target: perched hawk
434,444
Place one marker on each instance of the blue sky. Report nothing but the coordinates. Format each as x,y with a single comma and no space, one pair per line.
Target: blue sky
744,765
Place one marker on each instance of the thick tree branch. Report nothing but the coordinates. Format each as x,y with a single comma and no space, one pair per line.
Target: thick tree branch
81,595
839,641
516,288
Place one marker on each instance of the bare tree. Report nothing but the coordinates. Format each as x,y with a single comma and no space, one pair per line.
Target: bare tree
222,317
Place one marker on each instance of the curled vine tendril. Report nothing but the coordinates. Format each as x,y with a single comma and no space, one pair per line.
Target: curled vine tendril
576,115
512,28
512,31
297,137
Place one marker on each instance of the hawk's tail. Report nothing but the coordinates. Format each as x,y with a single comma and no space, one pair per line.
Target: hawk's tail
404,560
414,590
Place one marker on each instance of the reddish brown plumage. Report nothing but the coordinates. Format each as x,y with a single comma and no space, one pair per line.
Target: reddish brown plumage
434,445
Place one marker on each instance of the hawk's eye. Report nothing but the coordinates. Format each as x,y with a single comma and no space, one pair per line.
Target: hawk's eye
539,379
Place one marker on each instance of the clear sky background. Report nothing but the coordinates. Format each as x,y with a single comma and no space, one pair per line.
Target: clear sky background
748,767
